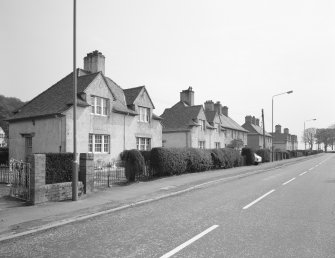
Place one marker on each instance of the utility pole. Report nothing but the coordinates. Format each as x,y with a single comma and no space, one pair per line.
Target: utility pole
263,128
75,160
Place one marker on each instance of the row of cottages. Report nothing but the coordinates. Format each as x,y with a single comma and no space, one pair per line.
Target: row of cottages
284,141
256,134
189,125
109,119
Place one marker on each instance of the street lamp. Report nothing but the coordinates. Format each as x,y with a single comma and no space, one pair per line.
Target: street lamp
287,92
305,129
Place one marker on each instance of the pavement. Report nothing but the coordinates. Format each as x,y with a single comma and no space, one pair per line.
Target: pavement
17,219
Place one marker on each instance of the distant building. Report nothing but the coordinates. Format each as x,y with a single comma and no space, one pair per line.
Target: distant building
109,118
284,141
189,125
255,135
3,142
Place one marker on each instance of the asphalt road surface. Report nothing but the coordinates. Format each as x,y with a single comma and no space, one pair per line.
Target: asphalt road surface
285,212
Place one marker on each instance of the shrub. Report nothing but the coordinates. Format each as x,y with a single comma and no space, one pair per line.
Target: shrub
134,164
249,154
168,161
265,154
146,155
198,160
58,167
218,158
232,158
4,156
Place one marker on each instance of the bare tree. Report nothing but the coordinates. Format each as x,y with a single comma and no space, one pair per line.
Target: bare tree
309,137
326,136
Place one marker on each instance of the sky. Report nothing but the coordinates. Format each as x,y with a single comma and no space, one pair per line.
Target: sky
239,52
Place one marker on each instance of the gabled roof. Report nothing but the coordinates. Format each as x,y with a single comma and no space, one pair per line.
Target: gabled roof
55,99
255,129
180,117
131,94
210,116
227,122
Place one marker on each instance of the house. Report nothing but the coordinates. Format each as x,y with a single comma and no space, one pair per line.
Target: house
109,119
284,141
232,130
255,135
189,125
2,138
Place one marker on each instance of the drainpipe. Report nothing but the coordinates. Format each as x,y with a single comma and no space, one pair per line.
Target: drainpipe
124,131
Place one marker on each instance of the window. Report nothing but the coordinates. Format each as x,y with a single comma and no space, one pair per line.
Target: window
99,106
29,145
217,126
201,144
202,125
144,114
143,143
98,143
217,145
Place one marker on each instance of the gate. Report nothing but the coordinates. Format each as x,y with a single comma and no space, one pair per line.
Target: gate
19,179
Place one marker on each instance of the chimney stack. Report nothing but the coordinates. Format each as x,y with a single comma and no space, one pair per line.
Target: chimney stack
278,129
286,131
209,105
225,111
254,120
94,62
218,107
248,119
257,121
187,96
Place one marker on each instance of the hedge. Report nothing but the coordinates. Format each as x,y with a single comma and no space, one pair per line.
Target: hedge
265,154
3,155
134,164
58,167
249,154
198,160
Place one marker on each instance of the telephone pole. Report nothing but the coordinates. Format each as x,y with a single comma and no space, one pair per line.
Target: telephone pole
263,128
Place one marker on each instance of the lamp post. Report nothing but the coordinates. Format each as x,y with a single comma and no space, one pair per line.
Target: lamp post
287,92
305,129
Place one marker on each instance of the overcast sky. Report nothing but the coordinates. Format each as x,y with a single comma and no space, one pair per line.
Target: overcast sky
238,52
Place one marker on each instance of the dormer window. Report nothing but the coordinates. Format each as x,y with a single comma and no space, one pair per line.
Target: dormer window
99,106
144,114
202,125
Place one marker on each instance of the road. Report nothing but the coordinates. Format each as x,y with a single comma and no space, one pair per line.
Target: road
285,212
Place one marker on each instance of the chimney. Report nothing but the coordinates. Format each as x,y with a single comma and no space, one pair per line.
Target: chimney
187,96
254,120
218,107
94,62
278,129
257,121
248,119
286,131
225,111
209,105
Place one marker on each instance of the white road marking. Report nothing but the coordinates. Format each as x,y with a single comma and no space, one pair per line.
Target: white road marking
303,173
258,199
182,246
288,181
310,169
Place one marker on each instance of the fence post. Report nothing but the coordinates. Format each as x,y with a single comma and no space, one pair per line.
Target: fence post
37,177
86,171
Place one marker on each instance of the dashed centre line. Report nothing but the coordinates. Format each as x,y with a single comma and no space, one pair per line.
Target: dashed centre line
288,181
303,173
258,199
182,246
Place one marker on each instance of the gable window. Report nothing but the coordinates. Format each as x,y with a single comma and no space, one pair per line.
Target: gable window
202,125
98,143
99,106
202,144
143,143
144,114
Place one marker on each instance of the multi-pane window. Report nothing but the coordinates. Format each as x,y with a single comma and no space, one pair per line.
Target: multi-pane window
98,143
99,105
217,127
201,144
29,145
217,145
144,114
143,143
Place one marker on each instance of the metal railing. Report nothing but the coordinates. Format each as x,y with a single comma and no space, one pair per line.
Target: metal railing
20,179
107,174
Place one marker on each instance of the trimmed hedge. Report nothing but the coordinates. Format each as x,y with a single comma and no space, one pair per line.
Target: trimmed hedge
198,160
134,164
58,167
265,154
249,154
